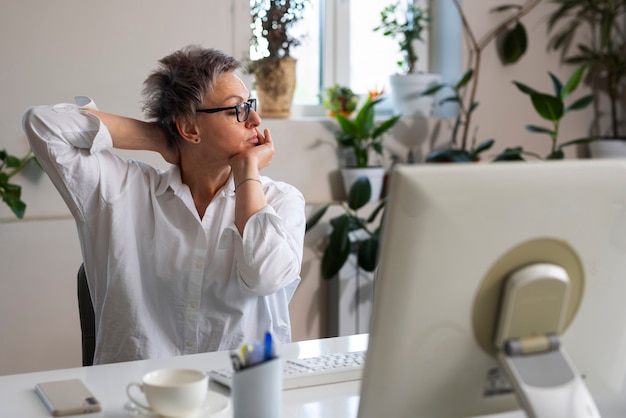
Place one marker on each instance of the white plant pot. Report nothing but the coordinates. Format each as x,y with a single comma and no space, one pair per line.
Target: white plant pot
610,148
350,300
406,90
375,175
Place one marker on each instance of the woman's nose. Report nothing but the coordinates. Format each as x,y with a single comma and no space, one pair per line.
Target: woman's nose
254,119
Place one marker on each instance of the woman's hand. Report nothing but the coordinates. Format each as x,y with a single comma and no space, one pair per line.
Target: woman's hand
260,156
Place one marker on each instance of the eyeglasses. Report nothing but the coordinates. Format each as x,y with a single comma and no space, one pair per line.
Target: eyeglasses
242,110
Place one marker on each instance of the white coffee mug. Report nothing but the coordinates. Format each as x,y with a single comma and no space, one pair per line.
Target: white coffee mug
171,392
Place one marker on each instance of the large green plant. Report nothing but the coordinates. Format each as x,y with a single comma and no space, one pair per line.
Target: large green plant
552,107
11,193
595,30
351,232
463,146
406,26
363,133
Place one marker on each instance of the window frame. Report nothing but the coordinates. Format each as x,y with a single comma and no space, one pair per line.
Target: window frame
335,44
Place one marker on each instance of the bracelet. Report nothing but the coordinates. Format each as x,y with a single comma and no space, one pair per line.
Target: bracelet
245,180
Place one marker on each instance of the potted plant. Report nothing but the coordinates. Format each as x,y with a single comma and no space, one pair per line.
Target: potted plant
11,193
275,73
596,30
552,108
362,137
407,27
349,258
512,35
350,232
340,100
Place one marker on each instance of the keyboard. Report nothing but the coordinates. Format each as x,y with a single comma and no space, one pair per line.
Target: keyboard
312,371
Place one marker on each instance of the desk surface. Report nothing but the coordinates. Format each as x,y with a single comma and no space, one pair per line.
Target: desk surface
108,383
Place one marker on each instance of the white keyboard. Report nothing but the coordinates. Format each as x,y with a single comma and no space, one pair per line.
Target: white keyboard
312,371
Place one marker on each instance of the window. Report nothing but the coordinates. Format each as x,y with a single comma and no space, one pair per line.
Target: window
339,45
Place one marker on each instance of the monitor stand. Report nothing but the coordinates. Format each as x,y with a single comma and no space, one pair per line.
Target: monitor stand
531,316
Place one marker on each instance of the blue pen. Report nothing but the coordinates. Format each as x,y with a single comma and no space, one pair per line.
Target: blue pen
269,347
256,356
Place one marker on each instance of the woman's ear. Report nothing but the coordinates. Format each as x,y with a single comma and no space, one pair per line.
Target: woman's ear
188,129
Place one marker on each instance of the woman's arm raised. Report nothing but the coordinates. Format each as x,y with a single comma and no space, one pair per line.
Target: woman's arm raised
133,134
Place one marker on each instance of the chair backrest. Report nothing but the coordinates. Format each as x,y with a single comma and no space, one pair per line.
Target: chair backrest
87,318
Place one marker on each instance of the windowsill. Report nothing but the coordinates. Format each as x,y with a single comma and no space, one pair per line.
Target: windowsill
319,113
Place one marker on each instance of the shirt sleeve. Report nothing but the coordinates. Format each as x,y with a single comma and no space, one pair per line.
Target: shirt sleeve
67,141
268,256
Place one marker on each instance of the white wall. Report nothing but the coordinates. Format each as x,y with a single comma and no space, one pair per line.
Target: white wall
53,50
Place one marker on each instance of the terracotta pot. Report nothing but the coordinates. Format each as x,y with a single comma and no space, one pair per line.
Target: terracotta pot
275,86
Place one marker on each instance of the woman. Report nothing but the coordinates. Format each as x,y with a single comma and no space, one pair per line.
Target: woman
201,257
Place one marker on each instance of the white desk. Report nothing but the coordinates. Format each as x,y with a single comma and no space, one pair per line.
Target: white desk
108,383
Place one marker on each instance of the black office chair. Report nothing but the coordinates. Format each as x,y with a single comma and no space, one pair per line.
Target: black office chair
87,318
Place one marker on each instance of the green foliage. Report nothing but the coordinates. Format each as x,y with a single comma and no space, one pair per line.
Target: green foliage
464,146
271,22
451,155
552,108
11,193
350,232
464,110
602,49
406,26
363,133
513,38
340,100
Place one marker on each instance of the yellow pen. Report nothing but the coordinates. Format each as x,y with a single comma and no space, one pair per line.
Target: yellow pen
246,350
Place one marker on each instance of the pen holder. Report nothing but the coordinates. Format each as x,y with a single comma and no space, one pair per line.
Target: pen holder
257,390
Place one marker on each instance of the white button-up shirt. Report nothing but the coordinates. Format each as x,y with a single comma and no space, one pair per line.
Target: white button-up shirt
163,281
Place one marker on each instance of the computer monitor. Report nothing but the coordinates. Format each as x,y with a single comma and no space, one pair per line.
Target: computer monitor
452,234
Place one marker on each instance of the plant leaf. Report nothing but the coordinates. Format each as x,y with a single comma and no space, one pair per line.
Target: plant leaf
572,82
514,44
510,154
556,84
368,254
548,107
464,80
347,126
315,218
379,207
433,90
506,7
385,126
539,129
525,89
449,156
484,146
12,162
338,249
579,141
581,103
360,193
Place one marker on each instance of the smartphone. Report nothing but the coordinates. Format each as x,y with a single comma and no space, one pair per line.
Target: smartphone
67,397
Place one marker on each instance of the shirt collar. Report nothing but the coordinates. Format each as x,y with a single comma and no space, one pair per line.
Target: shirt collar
172,178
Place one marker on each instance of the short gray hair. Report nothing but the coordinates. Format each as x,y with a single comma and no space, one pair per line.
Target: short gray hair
180,84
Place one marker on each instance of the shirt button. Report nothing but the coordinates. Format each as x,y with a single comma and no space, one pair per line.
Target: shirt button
191,343
198,264
194,304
